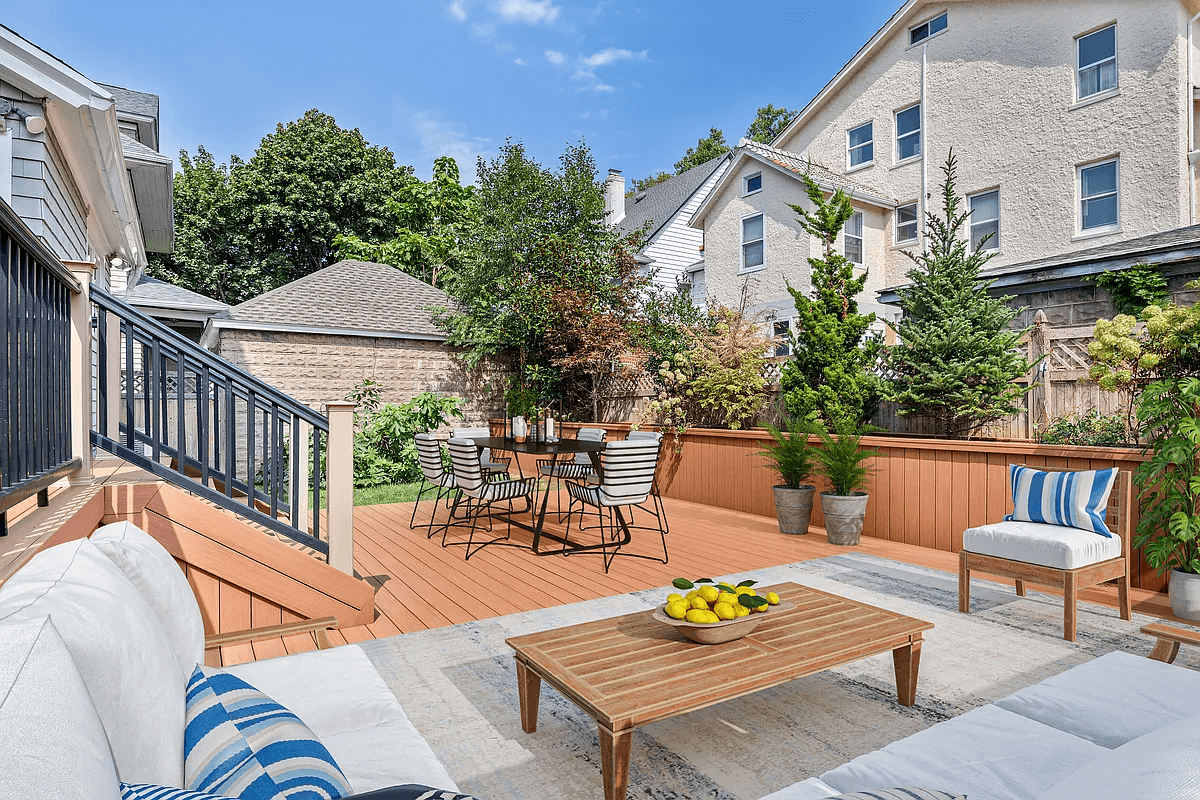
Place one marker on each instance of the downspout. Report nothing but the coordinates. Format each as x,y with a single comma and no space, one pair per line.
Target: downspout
924,142
1190,107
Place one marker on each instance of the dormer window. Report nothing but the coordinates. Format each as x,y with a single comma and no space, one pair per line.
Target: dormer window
928,28
752,184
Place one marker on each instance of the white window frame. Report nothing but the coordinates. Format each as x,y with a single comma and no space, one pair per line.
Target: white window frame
993,244
916,207
846,237
783,344
850,165
1099,93
919,133
746,190
742,247
1079,198
925,24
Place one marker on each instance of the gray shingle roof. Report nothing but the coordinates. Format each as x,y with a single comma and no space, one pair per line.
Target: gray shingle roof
133,149
660,202
800,164
134,102
357,295
153,292
1142,245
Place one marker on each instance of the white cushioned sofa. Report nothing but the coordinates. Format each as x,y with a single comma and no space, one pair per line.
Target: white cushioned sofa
1120,726
97,640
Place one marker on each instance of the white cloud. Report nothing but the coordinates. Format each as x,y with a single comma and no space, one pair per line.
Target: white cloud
520,62
556,58
531,11
586,72
441,137
458,9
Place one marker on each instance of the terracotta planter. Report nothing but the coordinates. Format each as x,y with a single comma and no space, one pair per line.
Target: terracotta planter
844,516
1184,591
793,508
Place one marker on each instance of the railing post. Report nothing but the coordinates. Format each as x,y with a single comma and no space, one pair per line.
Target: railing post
113,378
300,438
81,371
339,484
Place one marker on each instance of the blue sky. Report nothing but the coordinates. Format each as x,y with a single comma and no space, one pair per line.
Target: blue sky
639,81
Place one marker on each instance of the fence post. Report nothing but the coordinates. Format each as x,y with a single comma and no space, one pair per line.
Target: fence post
1039,346
81,371
339,482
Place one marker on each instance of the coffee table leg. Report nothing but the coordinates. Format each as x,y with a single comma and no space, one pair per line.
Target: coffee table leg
907,660
529,688
614,762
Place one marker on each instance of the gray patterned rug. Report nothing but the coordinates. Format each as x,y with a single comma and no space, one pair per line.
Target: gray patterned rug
458,686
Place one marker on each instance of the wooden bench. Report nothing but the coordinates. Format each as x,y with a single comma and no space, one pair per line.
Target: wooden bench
1169,639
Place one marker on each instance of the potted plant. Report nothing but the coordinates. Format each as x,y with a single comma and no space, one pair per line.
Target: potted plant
522,403
841,462
1169,488
792,457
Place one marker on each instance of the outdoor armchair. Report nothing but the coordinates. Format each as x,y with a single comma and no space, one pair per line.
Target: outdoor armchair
492,464
480,494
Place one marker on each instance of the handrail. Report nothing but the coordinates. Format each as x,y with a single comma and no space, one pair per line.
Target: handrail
15,227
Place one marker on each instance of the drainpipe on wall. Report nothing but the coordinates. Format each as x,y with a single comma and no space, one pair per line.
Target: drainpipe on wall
1189,107
924,143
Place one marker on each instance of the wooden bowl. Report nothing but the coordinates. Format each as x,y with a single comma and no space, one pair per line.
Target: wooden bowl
727,630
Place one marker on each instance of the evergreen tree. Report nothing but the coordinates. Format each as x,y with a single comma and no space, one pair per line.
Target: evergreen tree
958,359
832,374
708,148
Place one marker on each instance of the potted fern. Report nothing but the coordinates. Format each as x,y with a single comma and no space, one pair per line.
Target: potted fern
840,461
792,457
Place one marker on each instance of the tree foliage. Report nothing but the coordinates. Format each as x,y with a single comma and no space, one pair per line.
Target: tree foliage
831,376
706,149
769,122
642,184
1133,289
958,360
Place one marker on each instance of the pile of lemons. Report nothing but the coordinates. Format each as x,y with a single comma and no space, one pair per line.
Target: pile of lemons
714,602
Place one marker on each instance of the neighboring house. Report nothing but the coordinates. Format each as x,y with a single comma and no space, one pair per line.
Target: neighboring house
673,248
1073,122
182,310
320,336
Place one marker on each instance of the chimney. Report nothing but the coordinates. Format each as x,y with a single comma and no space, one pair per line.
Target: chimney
614,197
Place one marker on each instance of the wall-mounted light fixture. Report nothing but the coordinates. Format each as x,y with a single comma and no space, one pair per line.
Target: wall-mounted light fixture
34,123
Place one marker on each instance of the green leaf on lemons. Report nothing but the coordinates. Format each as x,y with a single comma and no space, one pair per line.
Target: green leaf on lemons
751,601
683,583
746,583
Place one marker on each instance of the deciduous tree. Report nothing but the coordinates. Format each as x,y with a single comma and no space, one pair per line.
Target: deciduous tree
708,148
769,122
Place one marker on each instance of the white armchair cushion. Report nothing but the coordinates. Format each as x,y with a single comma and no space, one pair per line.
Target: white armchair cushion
54,743
118,646
150,568
1054,546
811,789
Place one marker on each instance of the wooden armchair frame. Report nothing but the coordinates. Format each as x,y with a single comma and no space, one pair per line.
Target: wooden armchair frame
318,627
1069,580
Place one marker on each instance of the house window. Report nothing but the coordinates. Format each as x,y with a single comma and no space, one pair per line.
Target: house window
906,223
908,132
1097,62
1098,188
860,144
928,28
752,242
752,183
854,238
781,328
985,219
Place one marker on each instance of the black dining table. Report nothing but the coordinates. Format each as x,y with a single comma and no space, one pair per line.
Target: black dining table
554,451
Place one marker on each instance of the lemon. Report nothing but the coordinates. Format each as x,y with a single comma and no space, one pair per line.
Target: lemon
772,598
760,609
674,598
677,609
701,617
698,604
690,595
709,593
748,590
727,597
724,611
741,611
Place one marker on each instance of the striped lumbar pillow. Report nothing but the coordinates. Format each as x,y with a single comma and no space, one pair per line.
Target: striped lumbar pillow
1072,499
241,743
146,791
898,794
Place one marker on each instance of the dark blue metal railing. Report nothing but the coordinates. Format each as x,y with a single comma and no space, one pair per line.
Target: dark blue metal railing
194,419
35,348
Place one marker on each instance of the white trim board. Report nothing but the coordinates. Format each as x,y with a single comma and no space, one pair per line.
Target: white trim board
214,326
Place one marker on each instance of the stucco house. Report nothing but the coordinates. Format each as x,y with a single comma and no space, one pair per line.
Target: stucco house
1073,122
321,335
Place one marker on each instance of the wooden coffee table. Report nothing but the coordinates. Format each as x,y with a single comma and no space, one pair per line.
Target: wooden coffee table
628,671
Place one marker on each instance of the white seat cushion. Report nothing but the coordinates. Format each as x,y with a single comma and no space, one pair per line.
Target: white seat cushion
811,789
54,742
1162,764
1111,700
1036,543
985,753
150,568
341,696
120,649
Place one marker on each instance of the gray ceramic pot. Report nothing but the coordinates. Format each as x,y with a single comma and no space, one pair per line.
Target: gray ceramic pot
1184,591
793,508
844,516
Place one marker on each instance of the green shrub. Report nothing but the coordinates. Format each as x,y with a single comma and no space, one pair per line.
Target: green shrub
1093,429
385,450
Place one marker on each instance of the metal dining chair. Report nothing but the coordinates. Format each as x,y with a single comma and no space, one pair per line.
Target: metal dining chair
626,478
659,510
579,468
492,466
479,493
433,476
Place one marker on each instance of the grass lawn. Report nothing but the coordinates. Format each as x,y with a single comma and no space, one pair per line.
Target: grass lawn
392,493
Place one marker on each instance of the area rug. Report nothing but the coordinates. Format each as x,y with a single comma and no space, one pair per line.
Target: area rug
458,686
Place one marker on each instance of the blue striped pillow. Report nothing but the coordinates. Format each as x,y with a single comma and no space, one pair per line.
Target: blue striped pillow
1073,499
241,743
146,791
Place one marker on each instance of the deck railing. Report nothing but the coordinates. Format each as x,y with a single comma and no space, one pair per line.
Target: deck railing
35,397
174,409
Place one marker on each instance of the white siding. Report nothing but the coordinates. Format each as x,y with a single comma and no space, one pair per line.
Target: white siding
677,246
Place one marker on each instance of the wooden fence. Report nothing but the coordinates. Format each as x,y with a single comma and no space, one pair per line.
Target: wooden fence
923,492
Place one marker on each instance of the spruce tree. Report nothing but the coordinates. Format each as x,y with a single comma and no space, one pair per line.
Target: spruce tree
958,359
832,374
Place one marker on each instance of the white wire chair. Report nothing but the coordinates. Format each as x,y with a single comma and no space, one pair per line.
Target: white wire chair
433,476
579,468
658,510
493,465
481,492
626,478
